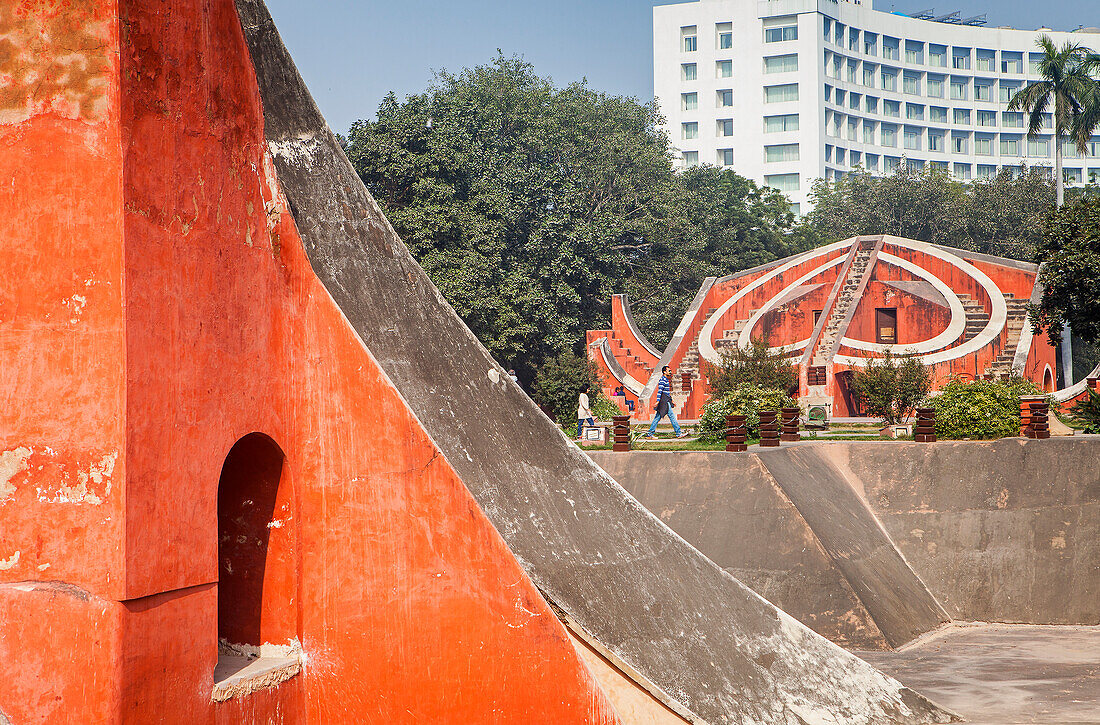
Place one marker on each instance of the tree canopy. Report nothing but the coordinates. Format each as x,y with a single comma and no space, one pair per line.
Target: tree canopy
1003,215
1070,275
1067,93
529,205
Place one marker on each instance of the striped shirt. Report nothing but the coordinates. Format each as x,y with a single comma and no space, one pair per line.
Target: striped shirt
663,389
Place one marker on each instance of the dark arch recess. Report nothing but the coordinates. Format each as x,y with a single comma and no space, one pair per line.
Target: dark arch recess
256,545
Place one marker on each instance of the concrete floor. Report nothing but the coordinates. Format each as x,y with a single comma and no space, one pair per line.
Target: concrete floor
998,674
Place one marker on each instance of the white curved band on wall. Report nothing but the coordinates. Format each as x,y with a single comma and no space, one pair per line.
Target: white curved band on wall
628,316
706,347
955,327
745,338
998,315
1077,388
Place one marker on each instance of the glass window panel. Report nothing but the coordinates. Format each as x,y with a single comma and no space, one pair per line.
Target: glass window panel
781,63
782,182
781,94
776,35
781,152
778,124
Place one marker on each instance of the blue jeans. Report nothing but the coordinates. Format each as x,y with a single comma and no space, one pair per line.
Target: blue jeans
580,424
657,417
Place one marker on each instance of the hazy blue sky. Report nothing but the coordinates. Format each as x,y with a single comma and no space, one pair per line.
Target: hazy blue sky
352,53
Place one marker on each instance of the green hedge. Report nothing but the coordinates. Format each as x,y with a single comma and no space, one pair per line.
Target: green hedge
980,409
747,400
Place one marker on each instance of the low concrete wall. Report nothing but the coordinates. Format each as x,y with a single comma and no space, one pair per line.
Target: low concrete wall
1004,531
1000,531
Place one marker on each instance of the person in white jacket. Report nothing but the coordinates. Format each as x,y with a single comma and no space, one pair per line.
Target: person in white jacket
584,412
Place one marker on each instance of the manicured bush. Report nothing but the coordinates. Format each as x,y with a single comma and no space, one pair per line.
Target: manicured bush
890,389
980,409
747,400
757,365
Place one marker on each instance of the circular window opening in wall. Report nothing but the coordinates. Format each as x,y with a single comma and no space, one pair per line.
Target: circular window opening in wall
257,570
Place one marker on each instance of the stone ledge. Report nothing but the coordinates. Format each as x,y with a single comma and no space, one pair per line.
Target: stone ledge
244,670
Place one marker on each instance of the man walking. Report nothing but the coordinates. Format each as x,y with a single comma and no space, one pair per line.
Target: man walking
664,406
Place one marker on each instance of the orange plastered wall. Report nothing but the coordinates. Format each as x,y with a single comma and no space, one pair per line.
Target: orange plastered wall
408,604
62,462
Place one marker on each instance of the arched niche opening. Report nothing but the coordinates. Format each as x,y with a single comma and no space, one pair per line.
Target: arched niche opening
257,547
1048,380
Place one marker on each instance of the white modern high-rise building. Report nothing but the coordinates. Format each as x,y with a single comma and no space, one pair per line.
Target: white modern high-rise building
788,91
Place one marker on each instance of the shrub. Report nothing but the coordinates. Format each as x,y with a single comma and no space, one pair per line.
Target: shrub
559,382
892,390
980,409
1087,412
603,408
747,400
757,365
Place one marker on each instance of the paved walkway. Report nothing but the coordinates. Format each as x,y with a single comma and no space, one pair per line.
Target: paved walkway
998,674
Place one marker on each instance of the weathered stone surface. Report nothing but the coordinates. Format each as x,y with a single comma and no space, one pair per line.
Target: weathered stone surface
654,601
732,510
1003,531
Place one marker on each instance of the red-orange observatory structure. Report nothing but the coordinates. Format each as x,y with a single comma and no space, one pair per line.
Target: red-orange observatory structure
194,443
833,309
255,469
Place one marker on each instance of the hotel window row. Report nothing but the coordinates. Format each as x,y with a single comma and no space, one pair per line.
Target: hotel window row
934,55
689,37
984,143
852,100
962,170
933,85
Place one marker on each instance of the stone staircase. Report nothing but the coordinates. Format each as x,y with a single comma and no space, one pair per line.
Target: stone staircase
860,264
1001,367
690,362
624,355
976,317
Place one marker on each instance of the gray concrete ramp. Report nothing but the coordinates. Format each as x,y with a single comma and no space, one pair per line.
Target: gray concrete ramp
614,570
897,599
732,510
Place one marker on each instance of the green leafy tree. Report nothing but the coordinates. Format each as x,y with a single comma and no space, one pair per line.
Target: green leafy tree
757,365
980,409
925,204
1003,215
1070,274
559,382
524,203
1067,92
747,400
529,205
890,389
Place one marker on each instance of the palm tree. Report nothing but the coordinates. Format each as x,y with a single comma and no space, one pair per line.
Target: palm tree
1069,87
